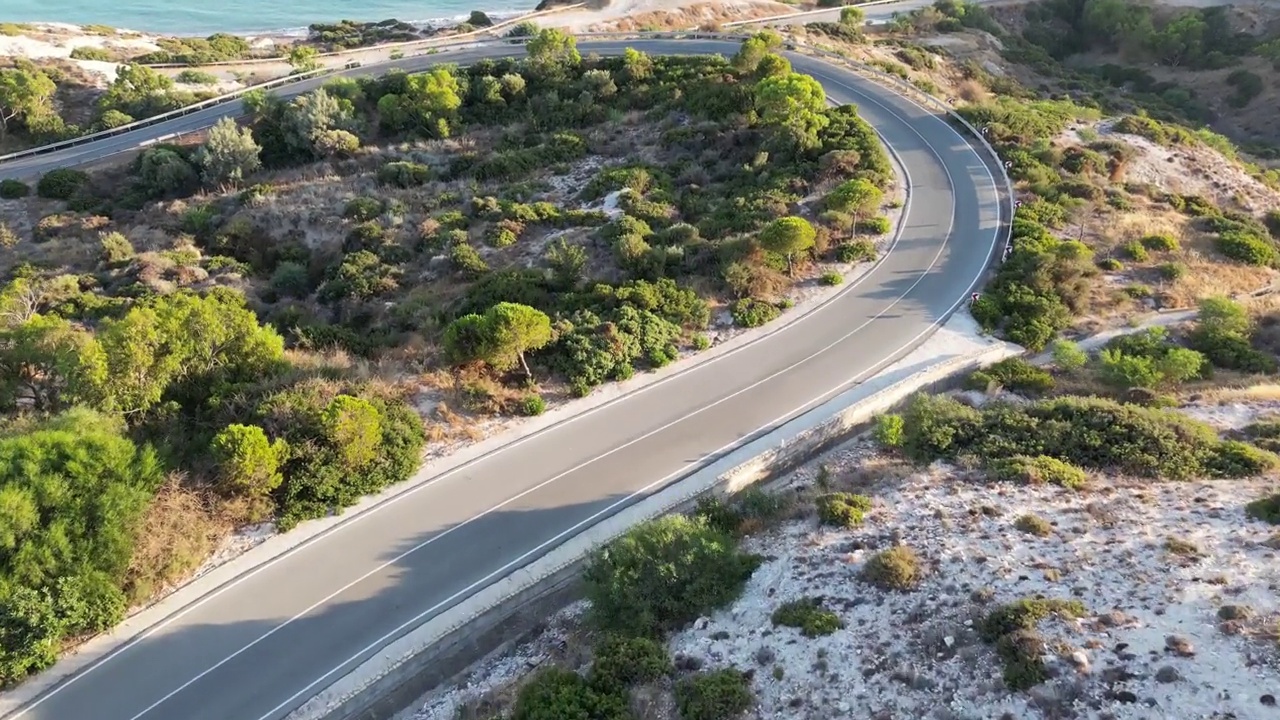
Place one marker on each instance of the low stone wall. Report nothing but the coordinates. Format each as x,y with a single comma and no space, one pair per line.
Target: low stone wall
511,608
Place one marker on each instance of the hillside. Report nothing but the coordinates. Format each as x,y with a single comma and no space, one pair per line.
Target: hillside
267,326
1092,537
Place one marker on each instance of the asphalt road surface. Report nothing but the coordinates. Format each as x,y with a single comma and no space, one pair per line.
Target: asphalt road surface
274,638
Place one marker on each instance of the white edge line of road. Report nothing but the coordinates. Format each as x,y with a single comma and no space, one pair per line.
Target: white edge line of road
448,473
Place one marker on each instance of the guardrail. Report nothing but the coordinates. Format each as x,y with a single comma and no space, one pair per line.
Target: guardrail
807,13
903,88
180,112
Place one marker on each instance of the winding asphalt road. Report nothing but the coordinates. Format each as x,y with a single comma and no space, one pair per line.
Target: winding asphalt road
277,636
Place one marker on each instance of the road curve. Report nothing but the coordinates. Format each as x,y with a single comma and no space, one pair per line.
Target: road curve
276,636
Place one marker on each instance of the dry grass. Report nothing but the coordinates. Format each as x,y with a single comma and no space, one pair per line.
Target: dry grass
1239,390
180,530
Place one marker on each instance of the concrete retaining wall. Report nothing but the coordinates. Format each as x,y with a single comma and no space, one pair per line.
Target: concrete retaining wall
510,608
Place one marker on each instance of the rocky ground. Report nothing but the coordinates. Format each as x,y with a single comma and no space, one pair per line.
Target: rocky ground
1179,588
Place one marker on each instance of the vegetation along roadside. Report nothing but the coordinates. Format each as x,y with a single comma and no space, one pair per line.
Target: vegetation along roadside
271,324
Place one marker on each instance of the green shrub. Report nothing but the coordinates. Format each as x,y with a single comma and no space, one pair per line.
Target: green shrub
831,278
842,509
554,693
857,251
1022,652
620,662
362,208
1089,432
889,430
1247,248
1038,470
749,312
1014,374
897,568
1171,271
404,174
61,184
1136,251
532,404
1110,265
1266,509
1068,356
196,77
291,279
1223,335
1036,291
1034,525
719,695
663,574
746,510
1160,242
1025,614
116,248
13,189
807,615
81,488
1235,459
875,226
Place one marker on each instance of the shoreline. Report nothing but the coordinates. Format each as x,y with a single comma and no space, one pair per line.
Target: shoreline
292,33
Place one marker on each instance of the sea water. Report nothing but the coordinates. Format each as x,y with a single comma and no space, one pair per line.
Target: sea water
203,17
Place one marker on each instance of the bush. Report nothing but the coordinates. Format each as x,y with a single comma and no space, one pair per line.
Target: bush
889,430
1038,470
1160,242
664,574
532,405
875,226
79,487
1022,654
749,312
807,615
13,189
1068,356
196,77
621,662
1034,525
116,248
1110,265
1171,271
1135,251
404,174
1026,614
856,252
842,509
1235,459
362,208
554,693
61,184
897,568
831,278
1013,374
1223,334
1247,248
1266,509
720,695
748,510
1089,432
1038,289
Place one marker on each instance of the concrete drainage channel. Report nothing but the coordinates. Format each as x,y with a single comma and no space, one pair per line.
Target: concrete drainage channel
509,609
